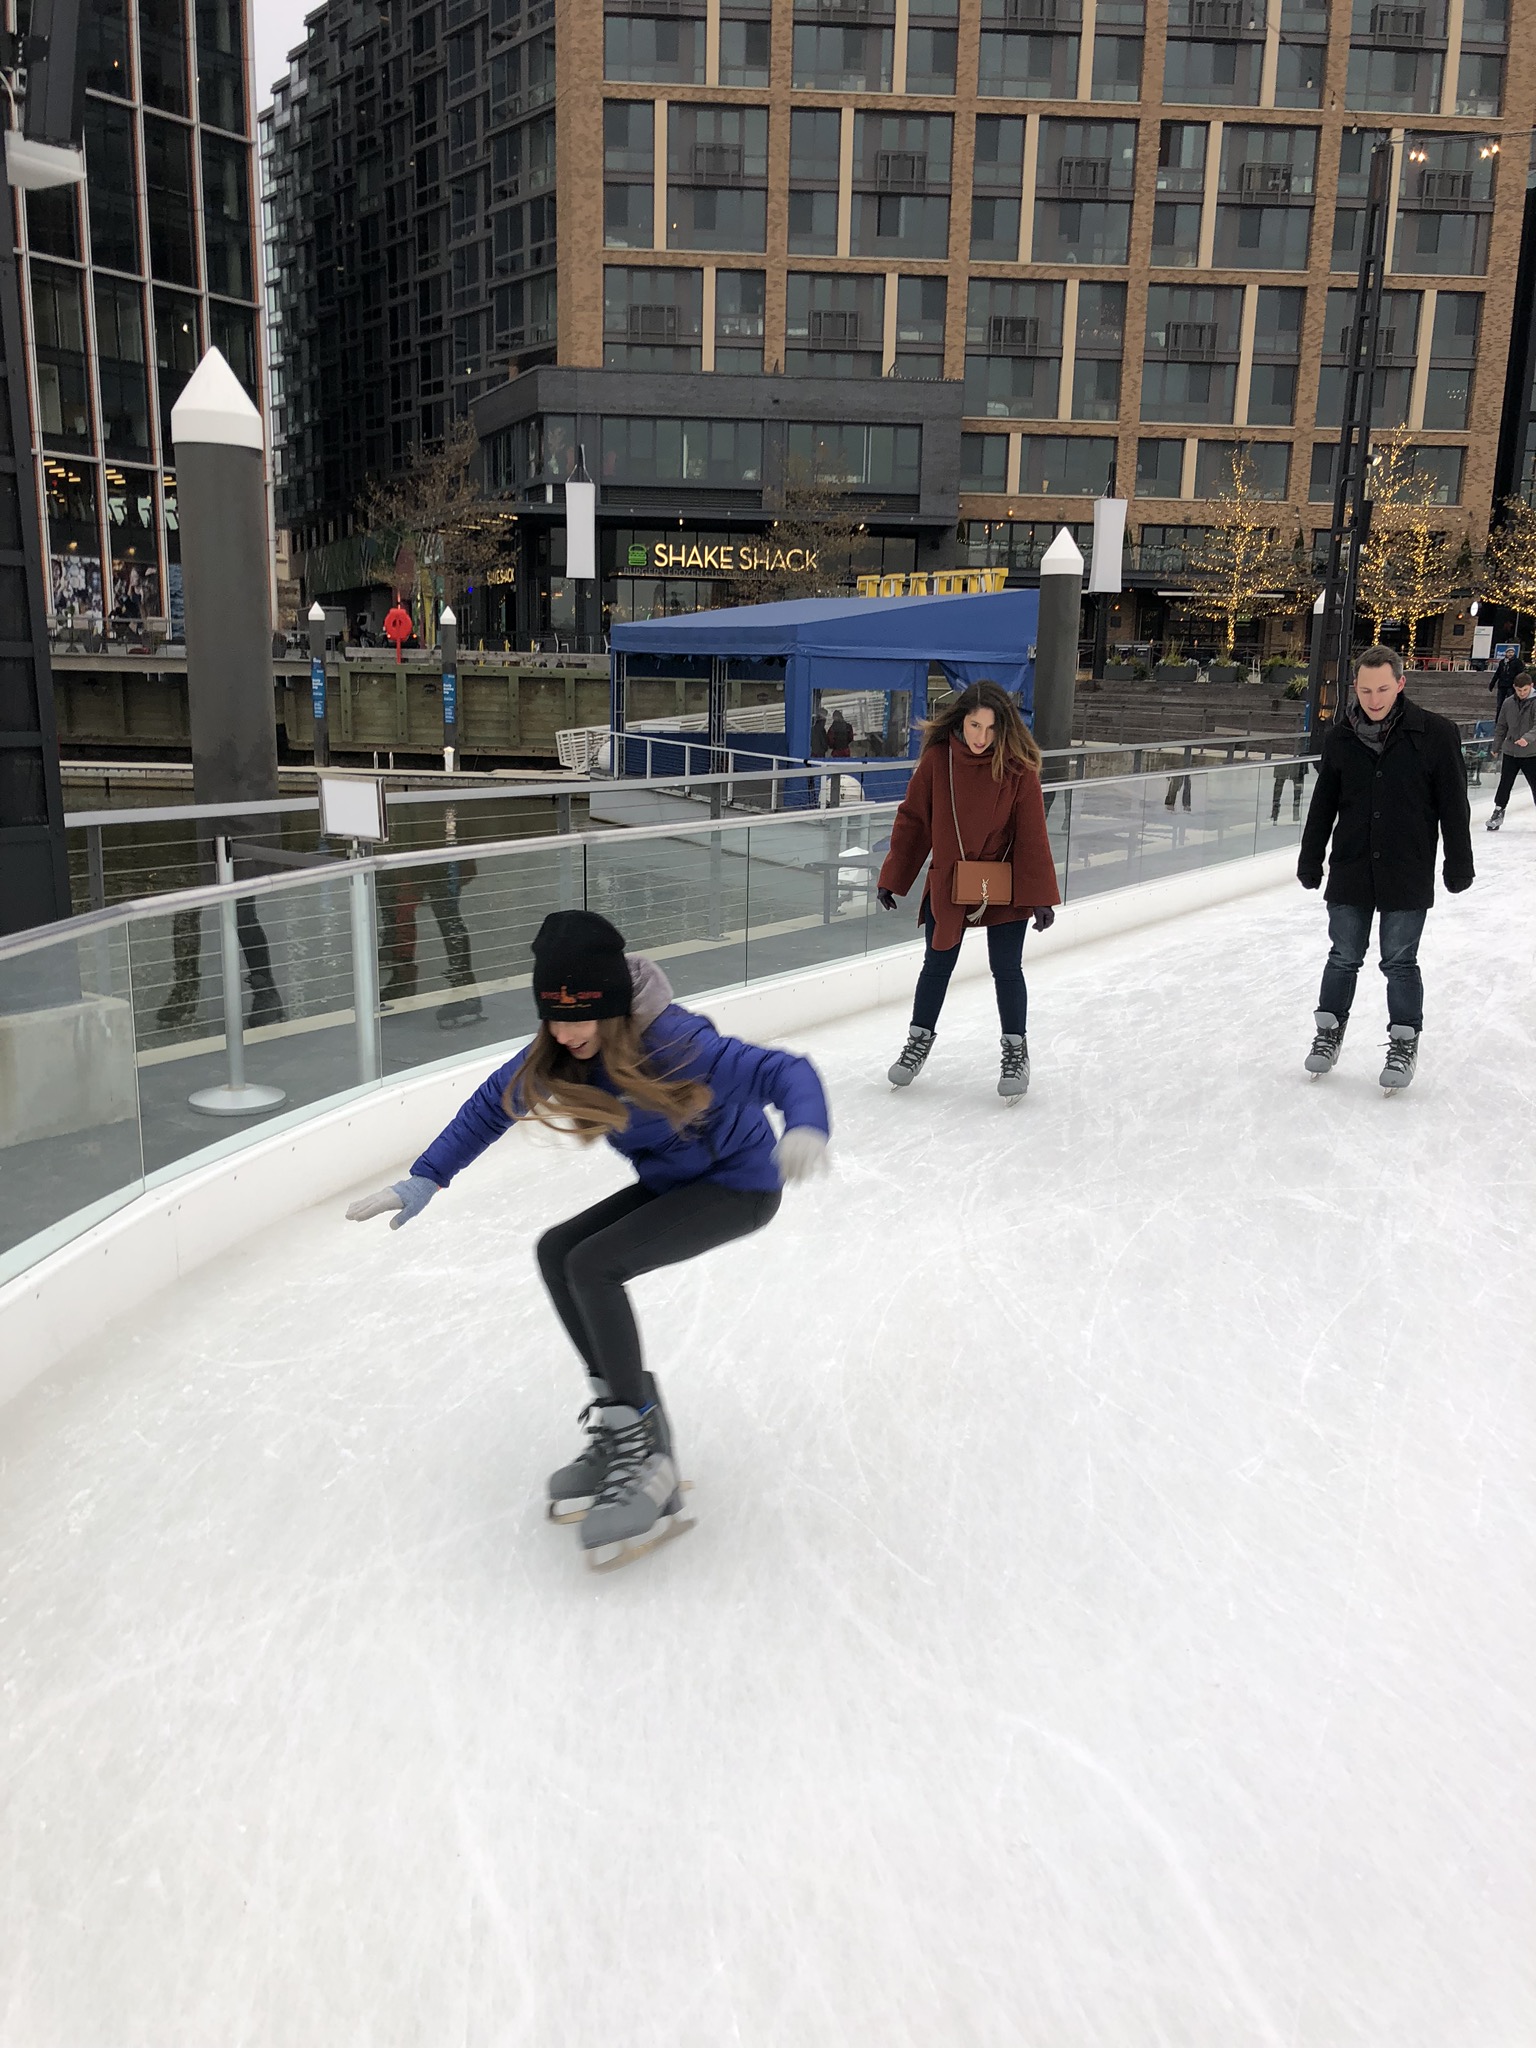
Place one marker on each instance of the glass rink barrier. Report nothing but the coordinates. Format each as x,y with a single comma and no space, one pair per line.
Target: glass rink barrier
144,1040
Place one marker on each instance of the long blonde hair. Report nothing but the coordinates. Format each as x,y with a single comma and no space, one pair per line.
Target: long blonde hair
551,1086
1013,744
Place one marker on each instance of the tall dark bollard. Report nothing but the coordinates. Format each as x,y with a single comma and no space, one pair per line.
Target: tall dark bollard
1061,597
317,685
448,641
222,503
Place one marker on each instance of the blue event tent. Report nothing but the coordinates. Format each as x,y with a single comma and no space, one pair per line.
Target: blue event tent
830,644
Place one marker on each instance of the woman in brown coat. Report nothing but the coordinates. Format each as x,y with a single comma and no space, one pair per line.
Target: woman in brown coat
975,796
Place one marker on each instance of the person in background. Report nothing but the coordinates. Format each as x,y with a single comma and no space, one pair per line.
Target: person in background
1502,681
974,796
1514,741
1390,783
819,735
839,737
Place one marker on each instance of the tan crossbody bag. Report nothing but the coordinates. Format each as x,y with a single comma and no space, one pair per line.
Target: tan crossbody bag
988,884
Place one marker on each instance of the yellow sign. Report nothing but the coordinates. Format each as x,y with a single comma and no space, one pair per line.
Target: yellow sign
934,583
725,556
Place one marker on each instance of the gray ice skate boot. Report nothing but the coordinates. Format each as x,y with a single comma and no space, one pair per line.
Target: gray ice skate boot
1013,1082
640,1502
910,1063
1324,1056
575,1486
1402,1056
1497,819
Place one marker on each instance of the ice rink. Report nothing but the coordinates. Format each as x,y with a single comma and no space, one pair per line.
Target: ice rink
1108,1622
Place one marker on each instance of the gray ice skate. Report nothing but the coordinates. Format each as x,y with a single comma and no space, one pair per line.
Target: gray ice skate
1013,1082
1402,1057
1324,1056
910,1062
640,1502
574,1487
1497,819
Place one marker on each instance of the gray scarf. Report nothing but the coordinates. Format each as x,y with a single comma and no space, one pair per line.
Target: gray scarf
1371,732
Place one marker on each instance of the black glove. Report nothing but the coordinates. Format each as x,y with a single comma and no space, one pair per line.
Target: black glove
1045,917
1310,878
1458,884
886,899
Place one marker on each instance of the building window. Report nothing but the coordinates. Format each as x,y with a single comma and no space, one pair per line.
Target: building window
1083,191
1100,344
1445,205
163,55
834,325
1480,85
1116,67
901,165
1397,350
851,54
1442,468
1394,81
724,453
1453,355
1168,550
745,39
1159,469
645,50
815,155
1181,176
1064,465
53,227
717,177
58,325
1014,543
104,35
121,370
652,319
920,305
858,458
1026,67
177,351
111,186
1190,367
739,302
74,537
932,46
1276,354
530,453
1215,53
227,218
984,463
997,178
1013,349
1264,218
1355,148
1268,465
221,64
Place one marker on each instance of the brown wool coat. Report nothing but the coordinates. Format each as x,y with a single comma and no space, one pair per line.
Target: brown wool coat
994,818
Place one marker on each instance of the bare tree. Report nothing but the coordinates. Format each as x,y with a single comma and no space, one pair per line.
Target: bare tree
436,516
808,551
1242,569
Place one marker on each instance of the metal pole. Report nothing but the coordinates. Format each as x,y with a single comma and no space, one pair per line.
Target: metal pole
1061,594
317,685
448,644
365,975
239,1097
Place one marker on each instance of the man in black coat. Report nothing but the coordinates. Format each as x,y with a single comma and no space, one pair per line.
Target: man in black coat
1390,781
1502,682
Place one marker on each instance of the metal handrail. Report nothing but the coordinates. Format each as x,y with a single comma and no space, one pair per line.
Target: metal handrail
133,909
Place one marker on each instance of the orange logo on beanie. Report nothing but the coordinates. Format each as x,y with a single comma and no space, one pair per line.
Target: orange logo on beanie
562,998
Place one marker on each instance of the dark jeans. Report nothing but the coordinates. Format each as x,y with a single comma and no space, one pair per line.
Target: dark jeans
1509,768
586,1261
1005,952
1349,927
1293,772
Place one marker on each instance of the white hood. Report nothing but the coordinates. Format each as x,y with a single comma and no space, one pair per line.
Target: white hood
653,991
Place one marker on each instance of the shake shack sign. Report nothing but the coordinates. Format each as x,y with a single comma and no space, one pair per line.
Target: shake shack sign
718,558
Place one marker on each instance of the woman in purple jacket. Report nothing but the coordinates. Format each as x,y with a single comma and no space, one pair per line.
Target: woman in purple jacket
616,1058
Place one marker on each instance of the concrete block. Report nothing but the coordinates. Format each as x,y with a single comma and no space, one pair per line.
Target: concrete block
66,1069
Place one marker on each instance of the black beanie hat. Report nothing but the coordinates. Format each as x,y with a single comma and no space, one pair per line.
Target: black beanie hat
579,969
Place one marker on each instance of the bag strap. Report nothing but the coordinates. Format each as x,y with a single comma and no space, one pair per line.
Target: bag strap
954,807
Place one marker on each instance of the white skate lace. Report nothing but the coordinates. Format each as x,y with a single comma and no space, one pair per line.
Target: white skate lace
628,1450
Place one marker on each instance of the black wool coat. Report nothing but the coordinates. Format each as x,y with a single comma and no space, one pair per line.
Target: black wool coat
1384,813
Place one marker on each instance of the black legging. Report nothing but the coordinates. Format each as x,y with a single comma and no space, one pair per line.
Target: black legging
1005,954
1509,768
586,1261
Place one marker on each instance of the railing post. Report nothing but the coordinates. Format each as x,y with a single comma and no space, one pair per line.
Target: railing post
365,973
562,813
96,865
238,1097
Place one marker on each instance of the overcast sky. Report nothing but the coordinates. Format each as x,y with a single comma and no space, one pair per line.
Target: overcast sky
279,25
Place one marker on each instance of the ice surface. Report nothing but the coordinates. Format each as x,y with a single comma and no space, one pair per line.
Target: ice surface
1108,1622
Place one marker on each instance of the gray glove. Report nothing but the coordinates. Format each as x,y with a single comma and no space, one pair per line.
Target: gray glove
407,1197
800,1154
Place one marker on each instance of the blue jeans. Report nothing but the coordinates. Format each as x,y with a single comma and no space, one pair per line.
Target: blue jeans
1005,952
1349,927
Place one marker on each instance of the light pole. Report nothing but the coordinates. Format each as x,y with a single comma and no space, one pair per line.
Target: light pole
448,644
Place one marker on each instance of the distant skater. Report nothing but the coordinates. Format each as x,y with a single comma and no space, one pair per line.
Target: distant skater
975,804
614,1057
1390,782
1514,741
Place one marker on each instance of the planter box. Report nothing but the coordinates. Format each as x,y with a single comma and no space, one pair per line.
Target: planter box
1224,672
1174,672
1119,672
1278,678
